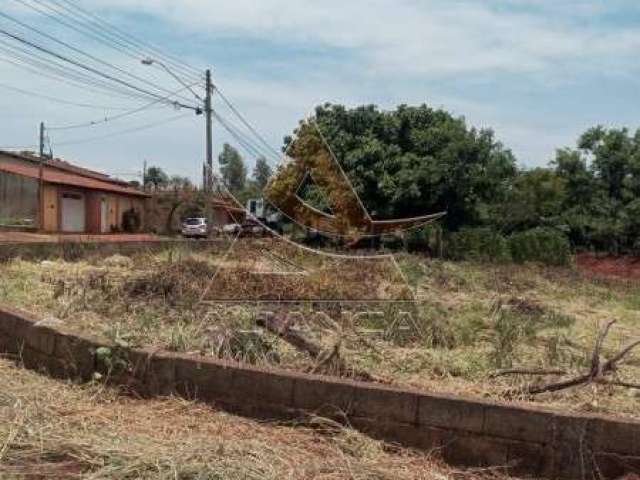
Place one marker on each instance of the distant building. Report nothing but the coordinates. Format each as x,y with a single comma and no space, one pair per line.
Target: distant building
73,199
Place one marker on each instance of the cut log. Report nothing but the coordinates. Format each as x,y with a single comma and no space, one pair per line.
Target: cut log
282,328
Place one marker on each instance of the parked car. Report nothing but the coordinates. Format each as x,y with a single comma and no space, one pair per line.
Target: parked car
195,228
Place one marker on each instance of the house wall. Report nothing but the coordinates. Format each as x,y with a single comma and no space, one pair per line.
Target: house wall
116,206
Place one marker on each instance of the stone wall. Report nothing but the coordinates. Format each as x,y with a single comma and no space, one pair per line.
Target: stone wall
466,432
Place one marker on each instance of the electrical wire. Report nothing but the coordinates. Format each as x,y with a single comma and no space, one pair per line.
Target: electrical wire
81,52
73,23
114,117
44,64
59,100
83,66
21,64
246,123
122,132
75,28
131,40
248,144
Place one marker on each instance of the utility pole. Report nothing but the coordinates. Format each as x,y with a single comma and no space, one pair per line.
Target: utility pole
41,181
144,176
209,175
209,116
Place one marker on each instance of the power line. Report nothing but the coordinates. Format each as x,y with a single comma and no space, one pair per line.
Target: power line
59,100
100,38
81,52
246,123
115,117
42,63
80,26
123,132
130,39
84,67
247,144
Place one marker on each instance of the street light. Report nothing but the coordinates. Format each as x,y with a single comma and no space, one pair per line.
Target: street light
150,61
208,111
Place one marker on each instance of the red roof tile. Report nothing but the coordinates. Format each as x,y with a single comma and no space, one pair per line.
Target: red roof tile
59,177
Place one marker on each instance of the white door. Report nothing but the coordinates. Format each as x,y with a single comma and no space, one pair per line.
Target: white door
104,216
73,213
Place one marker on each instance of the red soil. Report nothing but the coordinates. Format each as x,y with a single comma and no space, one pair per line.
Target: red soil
620,267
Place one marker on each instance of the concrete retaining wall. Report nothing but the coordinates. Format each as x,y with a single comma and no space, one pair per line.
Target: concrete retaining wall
467,432
86,250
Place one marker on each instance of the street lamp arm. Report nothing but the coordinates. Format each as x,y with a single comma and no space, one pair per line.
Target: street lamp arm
151,61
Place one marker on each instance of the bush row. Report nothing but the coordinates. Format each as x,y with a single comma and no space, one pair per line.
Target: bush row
542,245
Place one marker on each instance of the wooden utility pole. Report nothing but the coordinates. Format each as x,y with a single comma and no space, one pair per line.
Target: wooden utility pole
41,180
144,176
209,121
208,111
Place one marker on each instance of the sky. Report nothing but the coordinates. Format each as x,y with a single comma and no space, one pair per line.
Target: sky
537,72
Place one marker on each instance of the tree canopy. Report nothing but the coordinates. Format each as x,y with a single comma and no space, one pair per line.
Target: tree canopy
156,177
415,160
262,173
233,169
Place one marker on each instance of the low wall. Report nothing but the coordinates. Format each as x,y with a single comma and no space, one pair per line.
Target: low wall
76,250
467,432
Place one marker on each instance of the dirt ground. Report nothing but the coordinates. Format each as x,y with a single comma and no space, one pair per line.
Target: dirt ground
625,267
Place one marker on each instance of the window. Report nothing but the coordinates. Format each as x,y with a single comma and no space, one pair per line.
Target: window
18,200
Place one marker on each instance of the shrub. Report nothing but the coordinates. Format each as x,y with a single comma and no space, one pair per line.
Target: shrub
483,244
425,239
543,245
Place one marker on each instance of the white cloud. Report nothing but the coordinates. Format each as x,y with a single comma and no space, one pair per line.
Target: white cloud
431,37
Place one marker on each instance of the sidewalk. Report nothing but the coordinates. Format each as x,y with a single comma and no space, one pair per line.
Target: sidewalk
26,237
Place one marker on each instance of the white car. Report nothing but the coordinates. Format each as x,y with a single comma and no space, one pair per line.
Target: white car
195,228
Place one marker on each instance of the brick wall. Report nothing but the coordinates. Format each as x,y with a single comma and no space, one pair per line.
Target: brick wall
467,432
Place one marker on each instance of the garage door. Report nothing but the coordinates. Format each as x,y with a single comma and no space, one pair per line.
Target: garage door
73,212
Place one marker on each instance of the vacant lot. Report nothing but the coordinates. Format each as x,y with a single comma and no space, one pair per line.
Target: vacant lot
472,330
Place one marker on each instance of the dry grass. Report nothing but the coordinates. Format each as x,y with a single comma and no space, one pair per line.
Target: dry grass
474,319
54,430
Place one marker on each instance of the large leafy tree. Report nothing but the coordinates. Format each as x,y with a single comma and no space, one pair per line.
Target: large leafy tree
414,160
602,178
535,198
233,169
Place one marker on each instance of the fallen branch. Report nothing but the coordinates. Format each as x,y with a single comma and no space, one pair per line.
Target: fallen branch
523,371
282,329
597,373
617,383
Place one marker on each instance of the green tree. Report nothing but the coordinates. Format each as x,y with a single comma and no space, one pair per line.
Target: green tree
602,178
535,198
156,177
415,160
262,173
178,183
233,169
